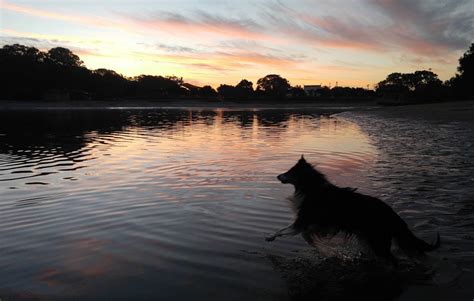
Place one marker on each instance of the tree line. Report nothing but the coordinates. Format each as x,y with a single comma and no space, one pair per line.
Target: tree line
423,86
58,74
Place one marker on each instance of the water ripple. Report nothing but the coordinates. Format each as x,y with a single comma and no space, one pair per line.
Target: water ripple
157,200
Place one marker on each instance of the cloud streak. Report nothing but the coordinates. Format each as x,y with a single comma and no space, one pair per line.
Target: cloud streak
428,26
199,23
408,26
66,17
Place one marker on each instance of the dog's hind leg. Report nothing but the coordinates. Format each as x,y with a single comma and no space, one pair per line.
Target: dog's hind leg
381,248
289,230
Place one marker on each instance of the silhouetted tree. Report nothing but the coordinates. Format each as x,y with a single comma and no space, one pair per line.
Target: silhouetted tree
244,89
227,91
150,86
65,57
245,85
395,83
427,86
109,84
462,82
423,78
207,91
30,54
420,85
466,65
23,72
273,85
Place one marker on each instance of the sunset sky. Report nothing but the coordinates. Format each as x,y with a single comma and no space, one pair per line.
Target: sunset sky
356,43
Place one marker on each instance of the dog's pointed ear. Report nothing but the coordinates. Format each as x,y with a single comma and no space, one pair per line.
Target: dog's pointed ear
302,159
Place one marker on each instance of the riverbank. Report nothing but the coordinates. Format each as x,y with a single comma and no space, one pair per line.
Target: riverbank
182,104
444,111
459,110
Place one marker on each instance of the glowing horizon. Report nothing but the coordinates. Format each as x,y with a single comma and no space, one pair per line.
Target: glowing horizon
354,44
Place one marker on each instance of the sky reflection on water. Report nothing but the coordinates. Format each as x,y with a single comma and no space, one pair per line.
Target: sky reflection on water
175,203
158,199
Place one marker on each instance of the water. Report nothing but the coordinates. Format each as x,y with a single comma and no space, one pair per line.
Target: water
175,204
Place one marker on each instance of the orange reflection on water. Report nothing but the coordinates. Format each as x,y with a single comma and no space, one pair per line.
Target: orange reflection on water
154,184
225,143
84,259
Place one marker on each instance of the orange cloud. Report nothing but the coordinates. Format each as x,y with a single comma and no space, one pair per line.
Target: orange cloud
221,61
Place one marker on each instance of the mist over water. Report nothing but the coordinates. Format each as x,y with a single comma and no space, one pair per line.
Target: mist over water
174,203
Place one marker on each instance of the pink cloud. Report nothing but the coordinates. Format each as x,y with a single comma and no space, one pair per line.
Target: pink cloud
201,25
408,27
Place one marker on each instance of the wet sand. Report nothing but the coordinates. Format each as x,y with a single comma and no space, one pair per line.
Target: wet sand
460,111
453,277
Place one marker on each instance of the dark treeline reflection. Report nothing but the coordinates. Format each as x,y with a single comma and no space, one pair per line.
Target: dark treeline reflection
31,133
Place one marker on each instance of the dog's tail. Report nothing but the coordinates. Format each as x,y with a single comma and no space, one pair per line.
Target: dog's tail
412,245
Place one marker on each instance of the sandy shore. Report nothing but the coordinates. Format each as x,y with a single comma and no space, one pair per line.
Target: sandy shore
447,111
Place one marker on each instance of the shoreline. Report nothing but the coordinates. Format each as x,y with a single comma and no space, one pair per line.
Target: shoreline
435,109
441,112
180,104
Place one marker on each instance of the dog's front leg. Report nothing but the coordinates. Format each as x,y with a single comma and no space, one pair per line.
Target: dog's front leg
289,230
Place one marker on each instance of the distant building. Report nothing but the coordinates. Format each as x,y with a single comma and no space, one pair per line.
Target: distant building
312,90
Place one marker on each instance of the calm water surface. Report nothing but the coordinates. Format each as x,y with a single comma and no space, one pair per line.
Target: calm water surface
174,204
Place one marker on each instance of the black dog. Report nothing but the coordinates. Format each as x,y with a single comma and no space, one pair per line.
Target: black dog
323,210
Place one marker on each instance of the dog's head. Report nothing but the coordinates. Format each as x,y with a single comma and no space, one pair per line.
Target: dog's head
297,173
